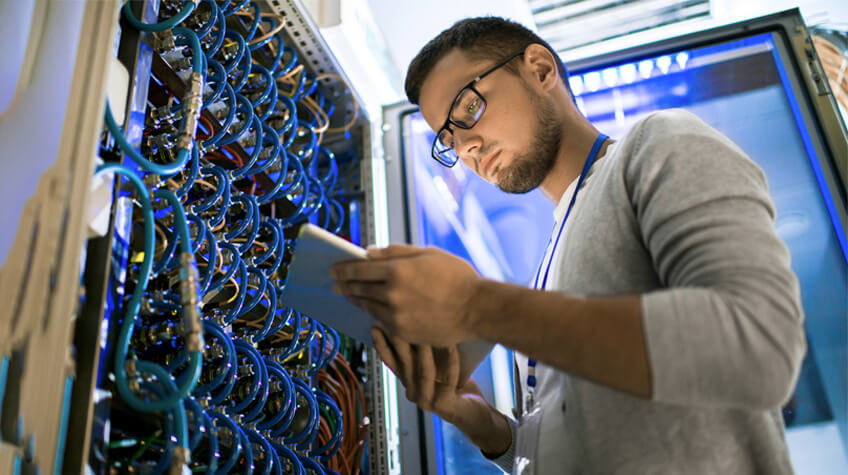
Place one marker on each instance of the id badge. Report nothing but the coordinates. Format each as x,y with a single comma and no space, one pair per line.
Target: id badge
529,426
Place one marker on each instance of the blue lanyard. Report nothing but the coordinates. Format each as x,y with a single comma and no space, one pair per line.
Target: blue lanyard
593,154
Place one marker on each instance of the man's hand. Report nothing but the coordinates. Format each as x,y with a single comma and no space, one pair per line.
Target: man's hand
420,295
438,390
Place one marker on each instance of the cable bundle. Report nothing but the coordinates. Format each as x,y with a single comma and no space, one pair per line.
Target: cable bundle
232,380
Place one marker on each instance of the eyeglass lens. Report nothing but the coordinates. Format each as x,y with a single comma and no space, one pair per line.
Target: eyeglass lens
466,111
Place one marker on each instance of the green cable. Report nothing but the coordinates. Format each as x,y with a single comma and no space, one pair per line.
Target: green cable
328,417
145,444
122,444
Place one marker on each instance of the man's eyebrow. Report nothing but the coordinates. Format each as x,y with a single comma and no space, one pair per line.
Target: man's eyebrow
458,92
452,99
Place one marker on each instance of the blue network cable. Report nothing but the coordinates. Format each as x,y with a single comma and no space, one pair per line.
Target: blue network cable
210,23
227,464
234,6
268,96
267,451
303,439
269,135
247,451
285,315
311,465
272,247
144,163
230,366
221,28
238,302
180,430
196,435
254,25
258,129
321,354
246,108
195,358
243,69
221,187
233,62
167,24
211,261
331,448
220,80
271,293
257,387
231,115
291,460
274,418
256,297
235,258
279,254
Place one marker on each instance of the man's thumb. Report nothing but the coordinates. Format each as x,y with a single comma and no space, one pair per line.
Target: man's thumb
393,251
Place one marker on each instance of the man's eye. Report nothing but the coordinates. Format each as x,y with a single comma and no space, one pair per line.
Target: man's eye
473,106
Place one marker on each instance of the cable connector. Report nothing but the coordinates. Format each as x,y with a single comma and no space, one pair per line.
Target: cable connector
163,113
164,41
181,64
192,102
132,375
162,141
152,180
179,459
192,325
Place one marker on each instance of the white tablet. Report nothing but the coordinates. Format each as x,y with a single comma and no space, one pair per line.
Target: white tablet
309,290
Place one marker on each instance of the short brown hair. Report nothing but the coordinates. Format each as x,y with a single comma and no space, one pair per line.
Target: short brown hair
482,38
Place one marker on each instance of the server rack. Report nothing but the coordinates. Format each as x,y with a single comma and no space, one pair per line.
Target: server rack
49,381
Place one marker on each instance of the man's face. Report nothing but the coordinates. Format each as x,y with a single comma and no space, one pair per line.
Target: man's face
515,142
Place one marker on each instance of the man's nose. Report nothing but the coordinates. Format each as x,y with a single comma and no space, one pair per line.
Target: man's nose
467,144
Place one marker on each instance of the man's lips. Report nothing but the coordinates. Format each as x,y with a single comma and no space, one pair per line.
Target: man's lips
487,164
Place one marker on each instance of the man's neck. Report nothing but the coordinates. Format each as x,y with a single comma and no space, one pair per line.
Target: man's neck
578,136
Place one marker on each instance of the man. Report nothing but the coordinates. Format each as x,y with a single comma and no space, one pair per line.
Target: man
664,316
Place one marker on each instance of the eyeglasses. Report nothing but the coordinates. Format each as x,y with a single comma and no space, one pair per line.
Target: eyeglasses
467,108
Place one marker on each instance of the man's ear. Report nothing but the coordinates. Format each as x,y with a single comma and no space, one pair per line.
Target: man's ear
542,66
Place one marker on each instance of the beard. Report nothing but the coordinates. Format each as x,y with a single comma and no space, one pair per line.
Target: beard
529,169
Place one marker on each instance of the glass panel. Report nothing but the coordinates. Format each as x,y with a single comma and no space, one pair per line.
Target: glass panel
742,88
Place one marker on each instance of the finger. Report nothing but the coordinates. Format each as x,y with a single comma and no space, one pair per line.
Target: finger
406,364
370,290
386,351
361,270
393,251
452,370
381,312
426,376
405,356
377,309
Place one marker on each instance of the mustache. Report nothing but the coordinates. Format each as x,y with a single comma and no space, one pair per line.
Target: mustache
482,152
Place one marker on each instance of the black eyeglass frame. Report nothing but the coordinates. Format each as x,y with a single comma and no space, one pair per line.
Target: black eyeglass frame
448,122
